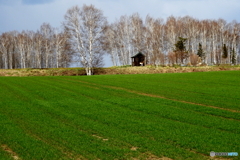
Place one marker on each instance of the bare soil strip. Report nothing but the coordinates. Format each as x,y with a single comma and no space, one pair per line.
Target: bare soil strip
156,96
103,139
11,152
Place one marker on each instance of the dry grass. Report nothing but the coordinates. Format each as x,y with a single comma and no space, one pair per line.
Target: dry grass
42,72
152,70
111,70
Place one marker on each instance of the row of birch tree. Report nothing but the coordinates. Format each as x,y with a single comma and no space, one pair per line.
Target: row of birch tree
86,36
46,48
157,39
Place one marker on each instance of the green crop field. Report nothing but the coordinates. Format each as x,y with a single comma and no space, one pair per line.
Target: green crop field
147,116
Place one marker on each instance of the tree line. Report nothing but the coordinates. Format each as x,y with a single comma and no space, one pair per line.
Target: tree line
86,36
209,42
46,48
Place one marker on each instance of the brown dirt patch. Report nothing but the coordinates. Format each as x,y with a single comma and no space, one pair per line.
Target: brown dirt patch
101,138
11,152
134,148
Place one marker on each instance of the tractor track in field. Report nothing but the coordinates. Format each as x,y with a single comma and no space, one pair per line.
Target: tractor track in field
97,87
133,148
157,96
149,155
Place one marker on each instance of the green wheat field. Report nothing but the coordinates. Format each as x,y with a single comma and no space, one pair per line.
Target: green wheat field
146,116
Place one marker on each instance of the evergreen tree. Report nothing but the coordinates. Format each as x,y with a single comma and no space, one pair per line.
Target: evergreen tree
180,45
225,52
180,49
200,52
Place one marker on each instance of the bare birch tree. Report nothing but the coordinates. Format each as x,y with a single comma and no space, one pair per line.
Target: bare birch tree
47,32
110,44
4,44
62,49
154,41
86,26
124,39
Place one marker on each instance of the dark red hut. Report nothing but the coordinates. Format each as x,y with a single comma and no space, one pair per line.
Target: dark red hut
138,60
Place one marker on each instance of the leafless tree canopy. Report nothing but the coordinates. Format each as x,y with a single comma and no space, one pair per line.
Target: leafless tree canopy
85,27
46,48
157,39
87,36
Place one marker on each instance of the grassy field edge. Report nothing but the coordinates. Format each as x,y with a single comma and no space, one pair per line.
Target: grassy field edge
111,70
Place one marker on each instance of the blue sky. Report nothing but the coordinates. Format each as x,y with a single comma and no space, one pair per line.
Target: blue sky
30,14
32,2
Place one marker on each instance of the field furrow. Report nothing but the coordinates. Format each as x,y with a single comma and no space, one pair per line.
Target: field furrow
157,96
104,117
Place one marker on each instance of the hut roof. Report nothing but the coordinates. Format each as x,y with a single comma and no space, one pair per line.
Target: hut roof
139,54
